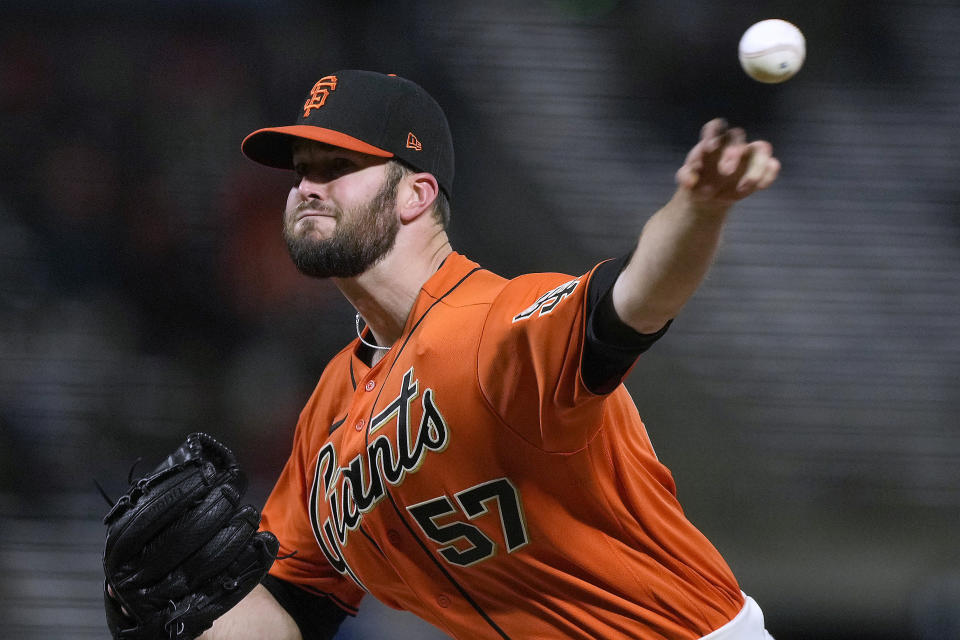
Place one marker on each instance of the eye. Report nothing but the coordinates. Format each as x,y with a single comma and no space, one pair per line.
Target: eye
340,166
324,170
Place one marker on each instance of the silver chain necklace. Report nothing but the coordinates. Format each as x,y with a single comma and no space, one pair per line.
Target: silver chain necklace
371,345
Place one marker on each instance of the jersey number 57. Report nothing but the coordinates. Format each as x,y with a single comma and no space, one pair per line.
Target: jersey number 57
464,544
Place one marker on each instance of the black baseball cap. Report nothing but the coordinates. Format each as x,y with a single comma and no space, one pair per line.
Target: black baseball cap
374,113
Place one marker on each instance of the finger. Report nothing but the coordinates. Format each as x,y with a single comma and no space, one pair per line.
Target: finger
117,613
187,534
732,152
223,549
217,551
736,136
116,600
695,154
756,158
146,514
688,176
253,562
712,139
714,129
771,173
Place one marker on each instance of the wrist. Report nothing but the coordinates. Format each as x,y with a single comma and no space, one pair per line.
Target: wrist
701,207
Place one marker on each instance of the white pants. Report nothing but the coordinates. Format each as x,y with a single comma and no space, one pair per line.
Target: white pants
747,625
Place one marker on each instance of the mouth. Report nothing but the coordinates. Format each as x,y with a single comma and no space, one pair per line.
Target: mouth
313,214
304,212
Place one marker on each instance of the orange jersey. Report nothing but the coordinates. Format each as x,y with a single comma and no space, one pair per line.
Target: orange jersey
472,478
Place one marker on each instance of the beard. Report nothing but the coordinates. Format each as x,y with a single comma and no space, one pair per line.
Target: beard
362,237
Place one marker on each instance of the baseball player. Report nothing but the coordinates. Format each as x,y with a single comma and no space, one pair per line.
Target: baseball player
473,456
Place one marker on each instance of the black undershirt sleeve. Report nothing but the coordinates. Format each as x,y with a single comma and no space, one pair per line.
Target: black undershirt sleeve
611,346
317,617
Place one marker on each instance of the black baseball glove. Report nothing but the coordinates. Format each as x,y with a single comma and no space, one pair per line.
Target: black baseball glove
180,548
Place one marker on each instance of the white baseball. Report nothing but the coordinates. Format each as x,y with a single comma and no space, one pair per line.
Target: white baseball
772,50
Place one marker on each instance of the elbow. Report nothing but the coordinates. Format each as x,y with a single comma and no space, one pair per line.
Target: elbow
648,324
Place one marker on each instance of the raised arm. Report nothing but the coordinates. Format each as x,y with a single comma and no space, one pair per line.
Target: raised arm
677,245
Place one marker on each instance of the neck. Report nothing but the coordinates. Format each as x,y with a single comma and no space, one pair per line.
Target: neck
384,294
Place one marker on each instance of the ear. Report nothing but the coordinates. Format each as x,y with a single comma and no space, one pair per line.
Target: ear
416,195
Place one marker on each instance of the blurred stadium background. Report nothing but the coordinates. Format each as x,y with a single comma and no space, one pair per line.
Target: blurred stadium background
807,400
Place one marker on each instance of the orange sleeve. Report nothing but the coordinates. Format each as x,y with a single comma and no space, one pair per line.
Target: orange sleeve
286,515
529,361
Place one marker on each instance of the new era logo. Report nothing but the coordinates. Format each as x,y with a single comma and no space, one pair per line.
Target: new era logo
413,142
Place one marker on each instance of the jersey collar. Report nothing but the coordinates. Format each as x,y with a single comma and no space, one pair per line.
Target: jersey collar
452,270
454,267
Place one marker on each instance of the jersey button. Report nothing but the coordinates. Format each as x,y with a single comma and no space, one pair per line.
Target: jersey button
361,424
443,600
393,537
370,386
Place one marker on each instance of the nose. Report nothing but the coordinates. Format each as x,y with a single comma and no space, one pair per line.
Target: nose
310,189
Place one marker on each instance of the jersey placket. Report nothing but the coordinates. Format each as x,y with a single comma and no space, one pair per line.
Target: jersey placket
383,547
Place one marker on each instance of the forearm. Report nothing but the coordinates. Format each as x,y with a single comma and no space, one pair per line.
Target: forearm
673,255
257,616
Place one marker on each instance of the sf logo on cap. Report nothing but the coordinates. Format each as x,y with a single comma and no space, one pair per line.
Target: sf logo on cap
319,93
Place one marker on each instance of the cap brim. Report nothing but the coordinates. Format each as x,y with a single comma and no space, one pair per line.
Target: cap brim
271,146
